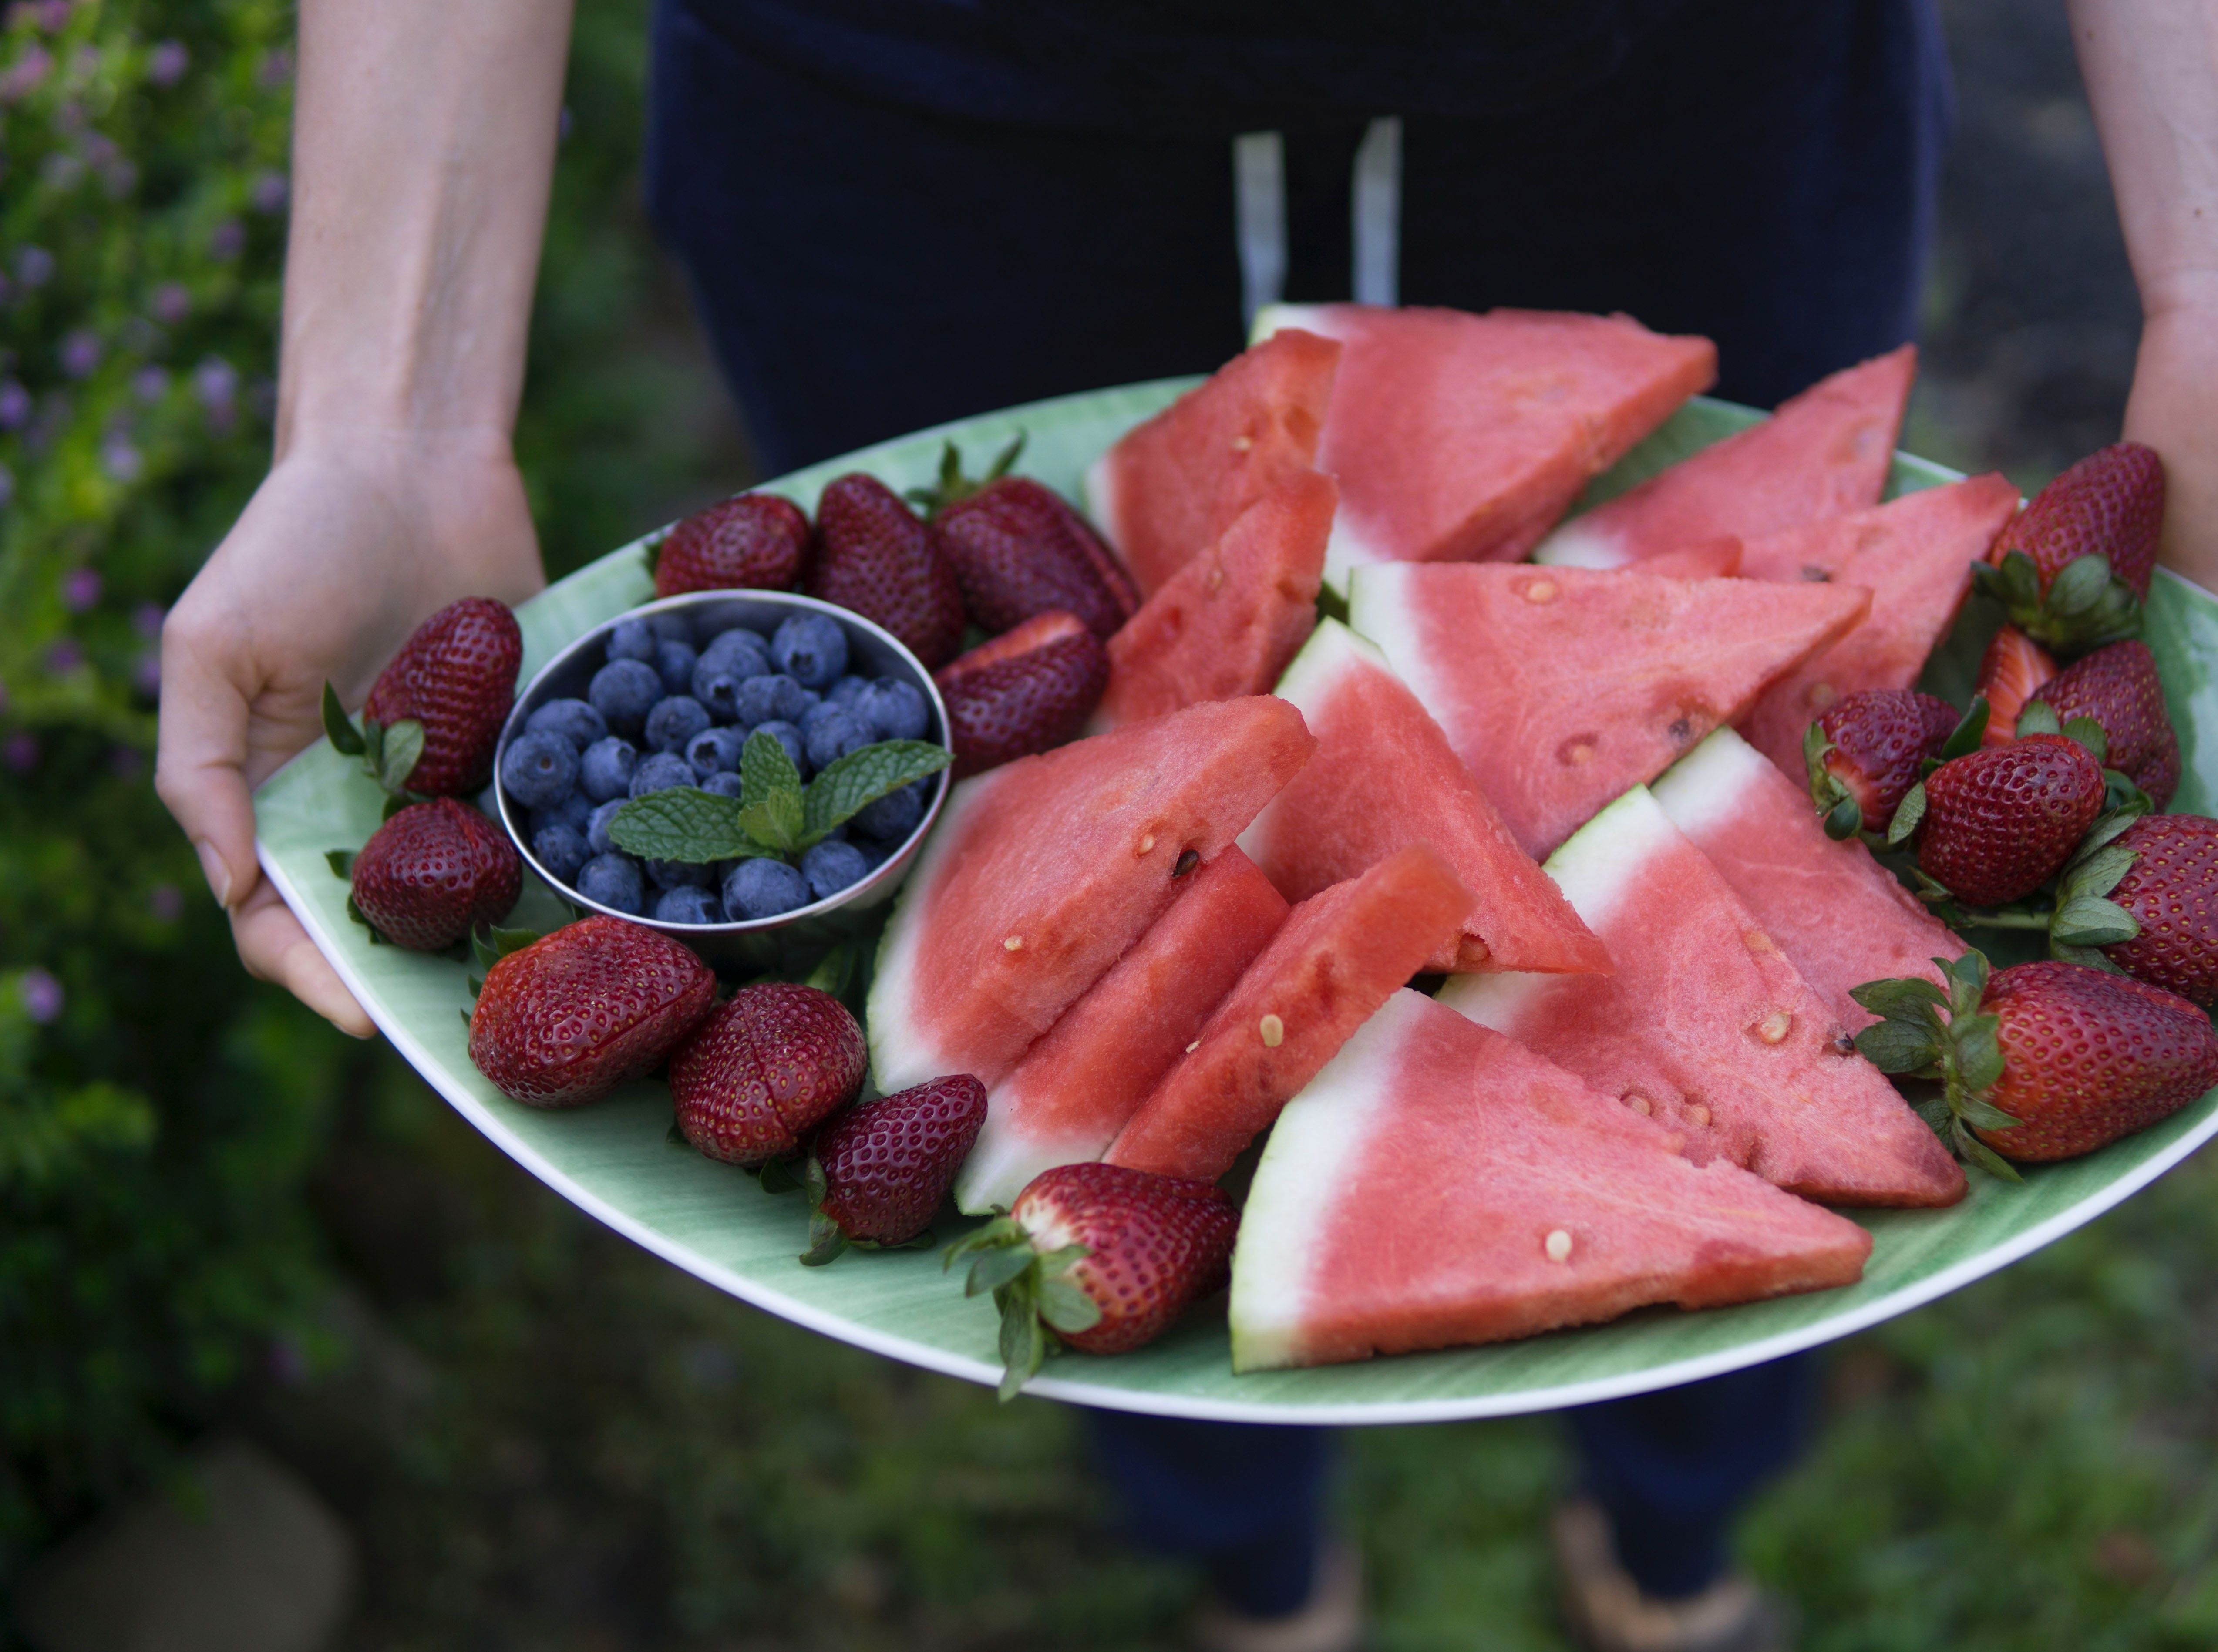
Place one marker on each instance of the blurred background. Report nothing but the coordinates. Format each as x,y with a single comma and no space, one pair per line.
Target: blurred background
251,1268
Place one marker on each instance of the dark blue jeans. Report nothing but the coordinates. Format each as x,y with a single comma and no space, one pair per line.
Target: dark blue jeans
1759,172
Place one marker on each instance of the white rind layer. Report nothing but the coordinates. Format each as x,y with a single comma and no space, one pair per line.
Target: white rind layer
1307,683
1003,1161
1575,545
1380,610
1708,784
1301,1178
1346,550
1276,318
1105,500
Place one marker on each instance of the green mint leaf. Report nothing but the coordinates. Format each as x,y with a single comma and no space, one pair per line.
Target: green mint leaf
338,728
1899,1047
774,823
2086,731
397,754
341,861
860,778
2079,585
1966,737
765,769
2039,717
681,823
1907,814
1066,1307
2089,920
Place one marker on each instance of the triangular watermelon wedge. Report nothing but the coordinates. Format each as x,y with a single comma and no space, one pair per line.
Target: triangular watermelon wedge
1384,777
1227,623
1438,1183
1076,1086
1708,1028
1840,916
1713,558
1560,687
1334,959
1174,484
1823,452
1459,437
1041,873
1914,555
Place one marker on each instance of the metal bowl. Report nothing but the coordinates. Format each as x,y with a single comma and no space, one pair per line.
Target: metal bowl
794,939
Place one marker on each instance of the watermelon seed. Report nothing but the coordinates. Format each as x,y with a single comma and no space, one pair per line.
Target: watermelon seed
1192,1046
1242,444
1680,731
1558,1245
1148,843
1541,591
1575,752
1014,943
1187,863
1698,1116
1638,1102
1817,576
1773,1027
1821,696
1274,1031
1757,941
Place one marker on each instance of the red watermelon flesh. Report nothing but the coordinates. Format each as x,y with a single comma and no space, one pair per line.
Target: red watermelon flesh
1174,484
1074,1089
1840,916
1457,436
1438,1183
1914,555
1708,1028
1560,687
1041,873
1334,961
1716,558
1825,451
1226,624
1383,777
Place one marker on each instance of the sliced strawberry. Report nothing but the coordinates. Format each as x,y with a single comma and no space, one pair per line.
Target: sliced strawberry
2117,686
2000,820
1865,753
879,1172
772,1062
2013,666
455,676
1024,692
753,541
874,558
433,873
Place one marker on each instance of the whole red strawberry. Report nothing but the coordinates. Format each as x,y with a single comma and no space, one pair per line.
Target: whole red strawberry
2013,666
2172,891
1022,693
1098,1257
757,1075
433,873
1865,753
574,1014
2000,820
874,558
456,676
2110,504
2117,686
1018,550
880,1172
753,541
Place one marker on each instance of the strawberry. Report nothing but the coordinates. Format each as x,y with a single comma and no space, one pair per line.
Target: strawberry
2171,892
874,558
771,1063
2040,1061
753,541
573,1015
1998,821
1023,692
878,1172
1098,1257
431,874
1866,751
2013,666
2073,569
455,676
1018,550
2117,686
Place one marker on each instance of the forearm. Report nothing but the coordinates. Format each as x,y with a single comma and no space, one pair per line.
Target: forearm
424,148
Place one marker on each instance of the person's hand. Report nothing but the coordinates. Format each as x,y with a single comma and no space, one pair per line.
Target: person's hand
349,544
2174,409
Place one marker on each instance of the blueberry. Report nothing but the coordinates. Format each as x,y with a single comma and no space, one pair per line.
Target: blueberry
623,691
539,770
687,904
715,750
894,816
875,854
632,640
724,783
561,849
573,720
810,648
773,698
596,829
677,874
660,772
605,770
673,663
894,709
673,625
675,721
573,811
613,880
846,690
719,691
763,888
832,737
788,736
831,866
816,714
738,651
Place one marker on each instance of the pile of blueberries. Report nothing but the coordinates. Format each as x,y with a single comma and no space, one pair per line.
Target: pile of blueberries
662,713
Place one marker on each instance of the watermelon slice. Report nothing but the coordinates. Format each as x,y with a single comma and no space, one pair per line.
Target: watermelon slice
1174,485
1074,1089
1914,555
1825,451
1839,916
1333,963
1042,872
1707,1027
1384,776
1715,558
1227,622
1438,1183
1459,436
1560,687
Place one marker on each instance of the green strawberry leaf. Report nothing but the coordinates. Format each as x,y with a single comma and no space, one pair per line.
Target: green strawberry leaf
1978,1053
1815,745
851,783
1000,1231
2086,731
2039,717
2090,920
2090,957
377,937
1844,819
339,728
682,823
2100,836
1899,1047
776,1175
341,861
1907,814
397,754
675,1137
1024,1342
2079,585
1979,1152
1058,1261
1066,1307
1907,996
834,972
1966,738
997,1267
2120,796
1967,980
1979,1110
490,944
825,1241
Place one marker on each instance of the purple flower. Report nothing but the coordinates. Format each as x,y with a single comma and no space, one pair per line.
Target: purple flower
22,753
15,406
35,266
146,673
146,620
63,170
276,68
80,589
149,383
123,461
54,15
216,382
167,63
126,763
171,303
227,240
25,75
80,353
271,191
166,901
64,658
42,994
120,177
